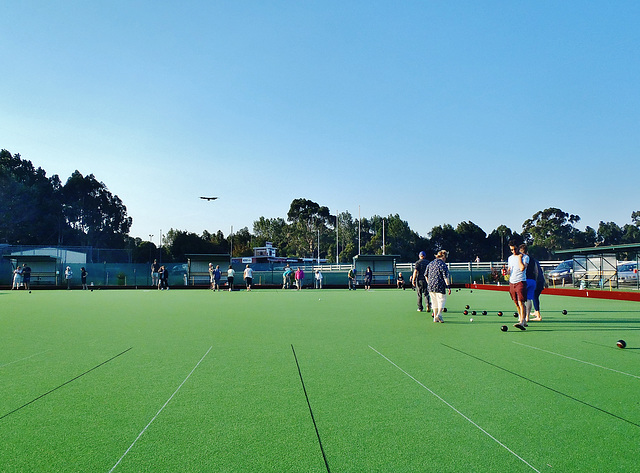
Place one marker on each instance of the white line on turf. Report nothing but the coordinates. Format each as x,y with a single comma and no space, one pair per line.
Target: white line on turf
161,409
460,413
579,361
23,359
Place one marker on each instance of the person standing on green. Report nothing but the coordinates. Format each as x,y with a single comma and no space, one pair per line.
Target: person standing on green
230,275
419,281
352,279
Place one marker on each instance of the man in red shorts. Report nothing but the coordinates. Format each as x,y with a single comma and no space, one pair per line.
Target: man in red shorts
517,266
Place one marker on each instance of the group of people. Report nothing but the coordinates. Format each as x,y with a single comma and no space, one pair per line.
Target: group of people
432,283
526,283
291,278
368,278
159,276
22,277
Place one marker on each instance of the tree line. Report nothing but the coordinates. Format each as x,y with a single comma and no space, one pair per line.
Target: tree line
40,210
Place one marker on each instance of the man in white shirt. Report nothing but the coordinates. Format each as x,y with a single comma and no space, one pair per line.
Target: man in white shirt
248,277
517,266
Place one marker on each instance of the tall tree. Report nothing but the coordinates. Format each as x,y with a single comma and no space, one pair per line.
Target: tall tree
497,243
98,217
30,207
307,218
551,229
274,230
471,242
444,237
347,237
609,234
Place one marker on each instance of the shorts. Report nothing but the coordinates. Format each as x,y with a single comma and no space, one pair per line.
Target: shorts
518,291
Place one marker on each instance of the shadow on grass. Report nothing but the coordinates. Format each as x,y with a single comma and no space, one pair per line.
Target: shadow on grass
581,321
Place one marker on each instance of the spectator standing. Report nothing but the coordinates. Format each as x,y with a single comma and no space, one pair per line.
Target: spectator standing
318,279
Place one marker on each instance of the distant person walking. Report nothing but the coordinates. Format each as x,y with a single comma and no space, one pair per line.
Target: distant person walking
438,283
230,275
248,277
419,281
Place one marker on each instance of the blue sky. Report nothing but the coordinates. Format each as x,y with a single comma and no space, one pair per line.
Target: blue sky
442,112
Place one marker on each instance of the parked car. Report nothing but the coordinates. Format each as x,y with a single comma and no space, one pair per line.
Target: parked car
628,273
563,273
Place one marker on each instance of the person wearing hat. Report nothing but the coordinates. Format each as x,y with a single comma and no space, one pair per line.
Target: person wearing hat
419,282
438,283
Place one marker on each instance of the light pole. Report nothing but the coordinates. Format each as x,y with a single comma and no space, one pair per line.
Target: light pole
359,221
337,241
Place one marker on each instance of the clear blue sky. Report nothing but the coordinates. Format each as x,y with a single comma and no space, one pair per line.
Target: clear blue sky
442,112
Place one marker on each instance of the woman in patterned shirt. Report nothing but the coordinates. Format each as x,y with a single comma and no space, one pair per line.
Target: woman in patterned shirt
437,275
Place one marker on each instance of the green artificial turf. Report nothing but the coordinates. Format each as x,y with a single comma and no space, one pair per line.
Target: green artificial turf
199,381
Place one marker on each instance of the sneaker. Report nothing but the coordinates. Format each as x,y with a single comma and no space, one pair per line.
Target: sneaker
419,310
519,326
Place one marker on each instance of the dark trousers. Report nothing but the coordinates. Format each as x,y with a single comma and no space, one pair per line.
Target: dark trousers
421,289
